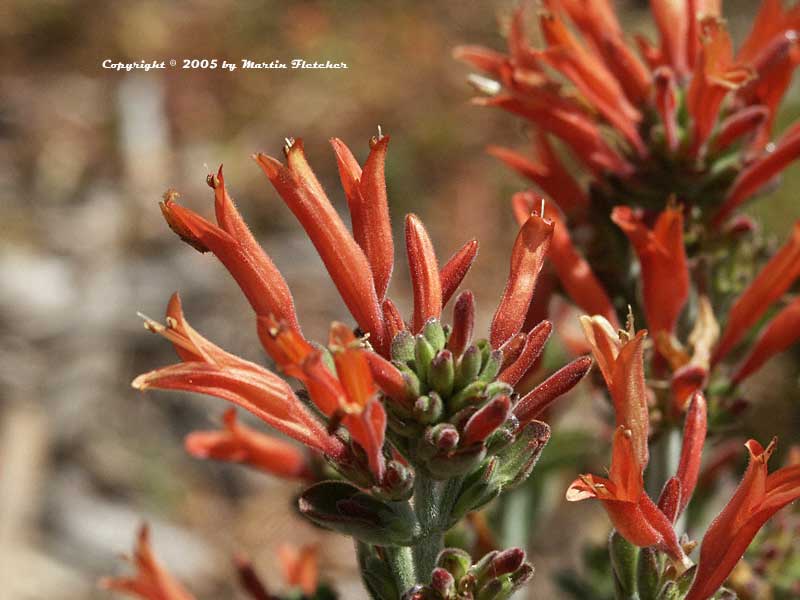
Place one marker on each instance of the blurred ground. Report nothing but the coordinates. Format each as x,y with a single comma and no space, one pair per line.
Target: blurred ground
87,154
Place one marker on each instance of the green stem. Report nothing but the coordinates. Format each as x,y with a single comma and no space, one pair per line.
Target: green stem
401,562
433,503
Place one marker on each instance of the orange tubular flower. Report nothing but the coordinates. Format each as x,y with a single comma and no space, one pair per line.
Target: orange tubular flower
630,509
574,273
759,496
425,279
242,444
349,395
770,284
527,258
778,335
234,245
715,75
369,207
207,369
455,269
619,358
694,437
151,581
662,256
344,259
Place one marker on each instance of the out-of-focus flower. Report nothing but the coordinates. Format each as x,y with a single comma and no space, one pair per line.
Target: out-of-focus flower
299,565
687,116
236,442
151,581
759,496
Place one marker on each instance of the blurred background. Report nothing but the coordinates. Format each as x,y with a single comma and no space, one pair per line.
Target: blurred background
87,154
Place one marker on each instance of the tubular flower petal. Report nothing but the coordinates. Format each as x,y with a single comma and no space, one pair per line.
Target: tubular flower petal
463,323
759,172
425,278
666,104
535,341
455,269
759,496
672,20
738,125
620,359
662,256
533,404
392,318
239,443
546,171
369,207
694,436
770,284
236,248
574,273
151,581
343,257
207,369
778,335
527,258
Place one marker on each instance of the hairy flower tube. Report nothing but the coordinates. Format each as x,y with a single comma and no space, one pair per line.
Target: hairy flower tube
422,422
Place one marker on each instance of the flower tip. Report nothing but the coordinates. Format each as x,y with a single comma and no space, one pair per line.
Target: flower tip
141,382
271,166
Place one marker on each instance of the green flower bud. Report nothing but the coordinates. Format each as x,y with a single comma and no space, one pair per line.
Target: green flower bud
468,367
442,373
455,560
423,355
403,347
624,556
647,574
472,394
428,409
435,334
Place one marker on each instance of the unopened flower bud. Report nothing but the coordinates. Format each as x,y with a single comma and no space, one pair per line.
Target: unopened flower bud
455,560
468,367
442,373
443,582
423,355
403,347
434,333
428,409
508,561
484,422
491,367
471,394
398,482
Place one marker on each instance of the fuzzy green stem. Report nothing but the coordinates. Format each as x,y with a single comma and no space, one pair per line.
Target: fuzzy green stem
433,503
401,562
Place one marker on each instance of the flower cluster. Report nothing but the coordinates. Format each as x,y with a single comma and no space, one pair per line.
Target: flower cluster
421,422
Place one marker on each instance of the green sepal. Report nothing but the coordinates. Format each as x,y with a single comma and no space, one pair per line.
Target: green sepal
516,462
647,574
344,508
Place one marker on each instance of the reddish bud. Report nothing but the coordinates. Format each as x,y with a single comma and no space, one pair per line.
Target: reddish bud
533,404
694,437
531,351
483,423
463,323
424,267
455,269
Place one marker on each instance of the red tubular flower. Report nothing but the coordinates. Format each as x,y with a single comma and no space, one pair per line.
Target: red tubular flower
715,74
533,404
527,258
343,257
759,496
484,422
780,333
369,207
207,369
630,509
463,323
242,444
694,436
425,278
349,395
531,351
619,358
393,320
574,273
455,269
666,104
299,566
234,245
591,77
388,379
365,417
662,256
151,581
547,171
759,172
673,21
744,122
770,284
